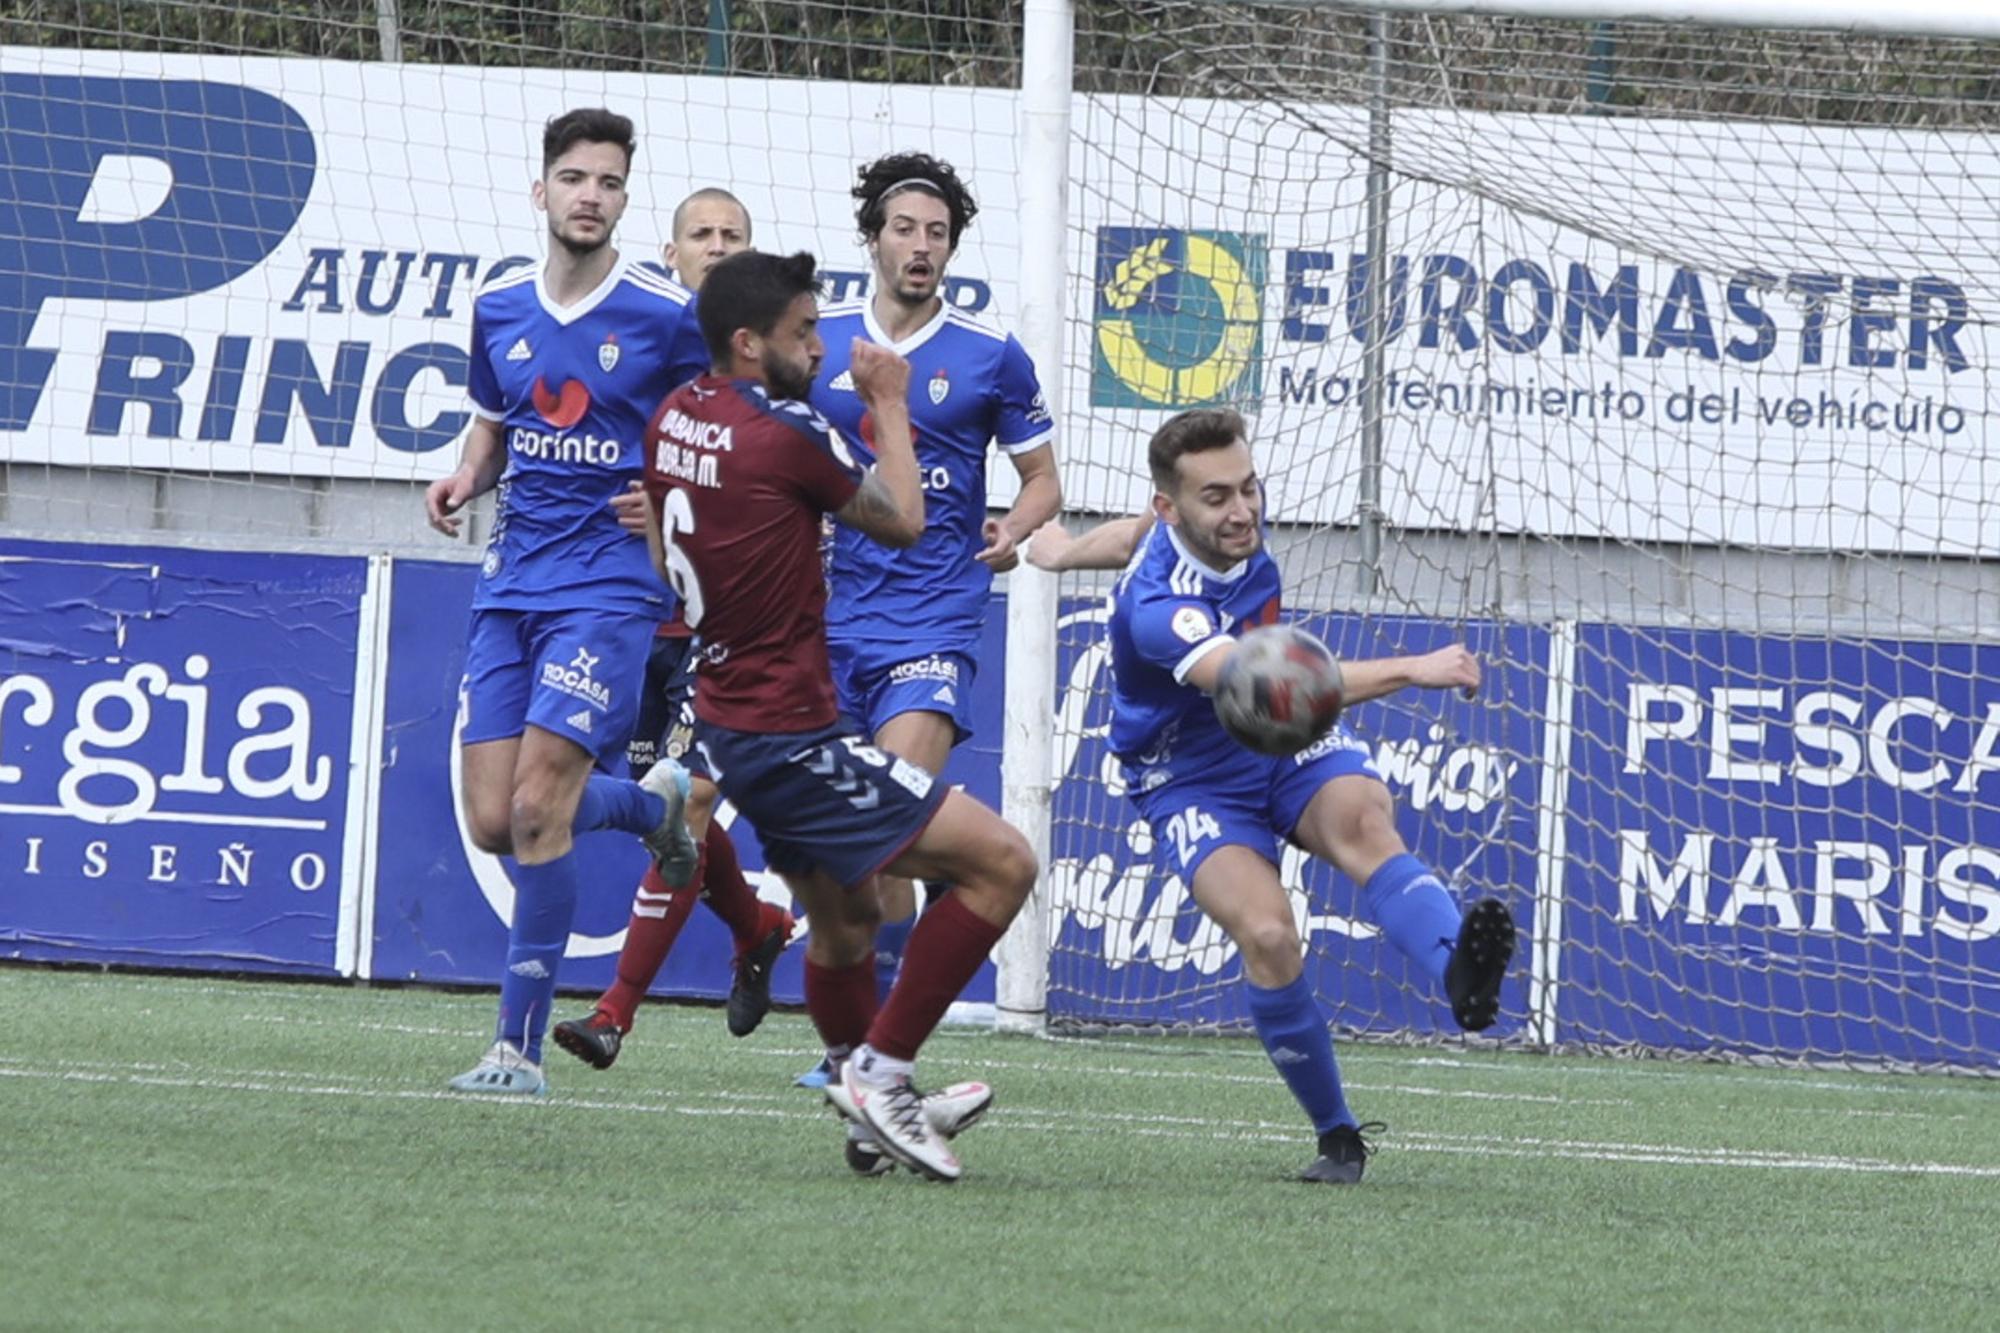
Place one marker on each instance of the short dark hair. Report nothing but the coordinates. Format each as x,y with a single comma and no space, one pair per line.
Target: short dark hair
710,192
751,290
890,175
586,124
1195,431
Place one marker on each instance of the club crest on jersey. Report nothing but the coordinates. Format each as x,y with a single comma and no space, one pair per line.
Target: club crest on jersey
1191,625
940,386
607,352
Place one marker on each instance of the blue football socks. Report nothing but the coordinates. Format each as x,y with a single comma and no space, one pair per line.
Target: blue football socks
891,938
544,907
1295,1036
1415,911
617,803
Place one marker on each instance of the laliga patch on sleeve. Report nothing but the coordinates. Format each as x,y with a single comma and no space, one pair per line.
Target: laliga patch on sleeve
1191,625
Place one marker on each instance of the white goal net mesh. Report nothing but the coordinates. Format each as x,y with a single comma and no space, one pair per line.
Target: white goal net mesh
1683,403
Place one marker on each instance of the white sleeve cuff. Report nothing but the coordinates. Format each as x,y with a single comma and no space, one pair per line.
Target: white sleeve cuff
1196,653
1047,437
484,414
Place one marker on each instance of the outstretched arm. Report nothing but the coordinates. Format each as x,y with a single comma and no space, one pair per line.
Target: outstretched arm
1447,668
1109,545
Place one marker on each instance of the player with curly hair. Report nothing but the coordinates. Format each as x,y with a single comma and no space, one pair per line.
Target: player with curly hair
904,626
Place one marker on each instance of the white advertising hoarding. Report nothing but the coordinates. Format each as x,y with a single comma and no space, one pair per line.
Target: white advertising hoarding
1641,329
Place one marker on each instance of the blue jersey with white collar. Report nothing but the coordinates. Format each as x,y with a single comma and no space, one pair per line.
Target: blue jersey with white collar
1168,611
573,388
970,386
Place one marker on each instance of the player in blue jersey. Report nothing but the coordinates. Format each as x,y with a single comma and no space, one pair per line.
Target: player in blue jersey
904,626
568,360
1195,573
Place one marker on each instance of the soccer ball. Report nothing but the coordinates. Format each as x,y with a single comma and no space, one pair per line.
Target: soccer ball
1280,690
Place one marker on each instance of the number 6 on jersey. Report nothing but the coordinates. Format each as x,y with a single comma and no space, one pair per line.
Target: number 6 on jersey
677,516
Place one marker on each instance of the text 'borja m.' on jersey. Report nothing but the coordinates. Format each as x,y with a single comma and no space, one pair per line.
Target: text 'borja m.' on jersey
741,481
1169,610
573,388
970,385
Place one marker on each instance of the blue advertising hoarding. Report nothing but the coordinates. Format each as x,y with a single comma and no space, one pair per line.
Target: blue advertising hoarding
1785,845
1130,945
175,754
1760,843
441,906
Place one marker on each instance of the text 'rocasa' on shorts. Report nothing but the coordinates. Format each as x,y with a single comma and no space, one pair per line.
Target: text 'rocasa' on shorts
575,673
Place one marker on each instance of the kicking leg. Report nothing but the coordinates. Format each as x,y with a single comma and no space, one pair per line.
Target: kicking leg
1350,823
486,780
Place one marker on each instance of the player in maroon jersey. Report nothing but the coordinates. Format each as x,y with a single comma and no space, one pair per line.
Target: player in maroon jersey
709,225
741,470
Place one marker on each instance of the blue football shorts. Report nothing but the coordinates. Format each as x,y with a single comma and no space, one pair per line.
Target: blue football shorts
577,673
872,685
823,800
1246,800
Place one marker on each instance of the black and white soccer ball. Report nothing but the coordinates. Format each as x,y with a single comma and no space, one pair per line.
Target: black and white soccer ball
1279,691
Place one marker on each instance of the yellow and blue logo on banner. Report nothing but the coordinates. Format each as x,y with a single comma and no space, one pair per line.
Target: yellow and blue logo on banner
1179,319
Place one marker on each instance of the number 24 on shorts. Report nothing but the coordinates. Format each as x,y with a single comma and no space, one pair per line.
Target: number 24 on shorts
1189,829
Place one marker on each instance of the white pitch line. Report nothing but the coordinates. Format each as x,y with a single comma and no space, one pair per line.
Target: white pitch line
1737,1075
1742,1077
986,1062
1022,1120
1195,1075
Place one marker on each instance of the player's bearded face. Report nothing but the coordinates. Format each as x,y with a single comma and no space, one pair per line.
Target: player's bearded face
583,192
913,247
792,351
1218,505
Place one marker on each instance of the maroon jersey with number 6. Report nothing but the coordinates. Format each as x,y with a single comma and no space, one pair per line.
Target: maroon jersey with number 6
740,481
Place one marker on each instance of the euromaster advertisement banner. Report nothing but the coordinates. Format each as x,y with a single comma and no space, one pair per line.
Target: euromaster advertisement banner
1643,329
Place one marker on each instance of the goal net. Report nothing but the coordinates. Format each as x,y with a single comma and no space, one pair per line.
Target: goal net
1663,377
1679,412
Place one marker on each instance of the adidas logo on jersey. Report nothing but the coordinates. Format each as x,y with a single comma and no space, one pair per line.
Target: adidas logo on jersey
520,351
945,695
581,721
844,380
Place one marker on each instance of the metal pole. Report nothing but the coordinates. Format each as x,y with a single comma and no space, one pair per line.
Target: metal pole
718,37
1375,306
1602,76
1027,757
389,29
